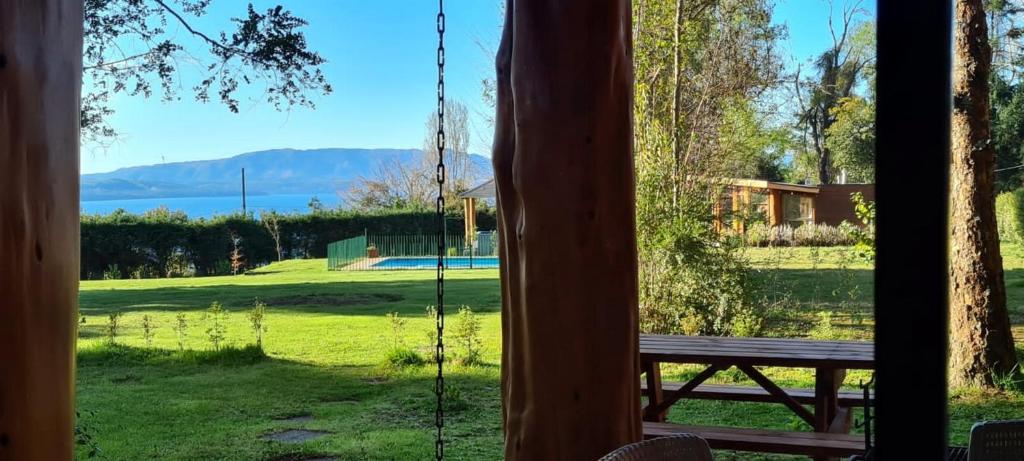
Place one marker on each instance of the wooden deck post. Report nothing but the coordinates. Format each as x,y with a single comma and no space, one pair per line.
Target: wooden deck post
568,266
40,81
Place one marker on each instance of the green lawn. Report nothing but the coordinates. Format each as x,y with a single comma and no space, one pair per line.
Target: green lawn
325,352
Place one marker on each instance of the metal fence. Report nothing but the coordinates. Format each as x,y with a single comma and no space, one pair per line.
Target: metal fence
404,252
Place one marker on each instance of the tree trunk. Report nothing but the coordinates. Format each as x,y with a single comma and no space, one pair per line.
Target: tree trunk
40,81
981,343
564,175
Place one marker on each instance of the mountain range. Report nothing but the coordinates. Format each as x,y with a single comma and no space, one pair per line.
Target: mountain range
277,171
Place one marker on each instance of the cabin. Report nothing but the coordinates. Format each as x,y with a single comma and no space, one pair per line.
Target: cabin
747,201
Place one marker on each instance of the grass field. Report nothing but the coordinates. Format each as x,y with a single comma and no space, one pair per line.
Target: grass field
325,348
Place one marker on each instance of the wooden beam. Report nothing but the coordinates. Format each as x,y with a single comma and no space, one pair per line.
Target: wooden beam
40,82
570,335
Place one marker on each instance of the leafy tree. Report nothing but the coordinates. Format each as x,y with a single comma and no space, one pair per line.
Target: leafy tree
981,343
851,138
1007,115
700,67
838,72
139,47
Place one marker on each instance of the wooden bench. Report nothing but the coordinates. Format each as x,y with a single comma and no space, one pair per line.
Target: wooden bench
736,393
764,441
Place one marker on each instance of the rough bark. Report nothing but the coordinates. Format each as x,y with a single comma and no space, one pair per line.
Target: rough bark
40,80
564,176
981,343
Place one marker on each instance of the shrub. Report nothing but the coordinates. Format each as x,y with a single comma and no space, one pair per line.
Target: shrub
397,326
403,356
181,329
147,329
113,326
431,312
162,242
256,316
216,329
1010,216
112,272
824,329
467,333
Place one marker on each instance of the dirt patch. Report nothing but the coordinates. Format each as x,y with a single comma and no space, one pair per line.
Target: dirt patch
304,457
294,435
295,418
339,300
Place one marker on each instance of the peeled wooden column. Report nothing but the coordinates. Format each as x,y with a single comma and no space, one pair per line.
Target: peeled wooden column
564,176
40,80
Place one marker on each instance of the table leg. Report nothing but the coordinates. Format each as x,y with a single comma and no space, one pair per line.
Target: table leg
655,395
826,400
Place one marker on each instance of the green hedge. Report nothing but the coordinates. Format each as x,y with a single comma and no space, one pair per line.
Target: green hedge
161,243
1010,216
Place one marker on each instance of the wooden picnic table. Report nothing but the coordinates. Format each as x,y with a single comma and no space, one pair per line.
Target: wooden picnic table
829,359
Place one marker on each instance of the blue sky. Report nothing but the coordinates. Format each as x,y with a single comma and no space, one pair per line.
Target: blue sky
381,57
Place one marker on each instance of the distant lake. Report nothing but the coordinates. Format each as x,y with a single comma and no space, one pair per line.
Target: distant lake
206,207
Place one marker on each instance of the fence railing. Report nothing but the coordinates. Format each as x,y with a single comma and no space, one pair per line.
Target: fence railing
396,252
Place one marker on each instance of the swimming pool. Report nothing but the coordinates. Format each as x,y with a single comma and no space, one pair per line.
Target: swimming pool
454,262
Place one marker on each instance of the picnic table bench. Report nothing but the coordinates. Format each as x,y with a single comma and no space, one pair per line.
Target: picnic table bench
832,408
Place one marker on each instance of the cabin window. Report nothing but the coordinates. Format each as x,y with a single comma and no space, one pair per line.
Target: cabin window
798,209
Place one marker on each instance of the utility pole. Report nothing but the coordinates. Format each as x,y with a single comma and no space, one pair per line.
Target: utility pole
243,191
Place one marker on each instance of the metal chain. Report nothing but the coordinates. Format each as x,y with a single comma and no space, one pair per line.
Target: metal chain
441,237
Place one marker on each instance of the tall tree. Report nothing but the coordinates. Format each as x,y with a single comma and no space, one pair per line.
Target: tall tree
981,344
133,45
839,70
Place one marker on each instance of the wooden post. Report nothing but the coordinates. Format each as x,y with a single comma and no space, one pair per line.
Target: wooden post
775,211
40,81
570,355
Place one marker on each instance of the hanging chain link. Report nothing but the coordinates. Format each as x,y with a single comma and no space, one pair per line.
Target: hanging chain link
441,237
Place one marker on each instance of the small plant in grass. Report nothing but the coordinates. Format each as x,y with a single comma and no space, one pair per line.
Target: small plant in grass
181,329
256,317
431,313
216,329
466,332
147,329
1012,381
84,434
824,328
399,355
454,400
113,325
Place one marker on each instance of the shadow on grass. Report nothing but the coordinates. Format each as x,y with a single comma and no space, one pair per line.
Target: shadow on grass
216,405
341,298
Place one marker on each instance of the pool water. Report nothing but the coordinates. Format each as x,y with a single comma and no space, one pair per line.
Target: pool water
454,262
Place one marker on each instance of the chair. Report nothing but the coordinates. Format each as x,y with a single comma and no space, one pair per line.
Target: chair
679,447
997,441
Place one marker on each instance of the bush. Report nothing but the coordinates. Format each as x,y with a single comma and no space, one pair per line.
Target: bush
256,317
811,234
216,330
1010,216
162,243
403,356
467,335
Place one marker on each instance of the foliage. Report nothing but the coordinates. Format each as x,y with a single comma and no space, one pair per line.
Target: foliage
112,272
431,314
865,211
1010,216
84,434
403,356
147,330
130,46
144,246
237,258
1007,118
824,329
181,329
466,332
256,316
113,325
216,328
851,138
397,327
807,235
